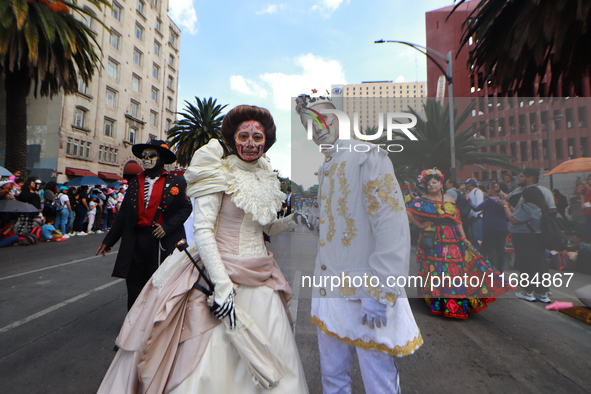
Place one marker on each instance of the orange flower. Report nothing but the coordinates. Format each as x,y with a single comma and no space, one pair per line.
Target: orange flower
174,191
164,146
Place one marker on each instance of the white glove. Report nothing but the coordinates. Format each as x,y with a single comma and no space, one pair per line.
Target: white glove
308,220
373,313
204,217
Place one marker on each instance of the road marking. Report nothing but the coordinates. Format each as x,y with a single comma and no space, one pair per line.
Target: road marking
53,266
293,305
57,306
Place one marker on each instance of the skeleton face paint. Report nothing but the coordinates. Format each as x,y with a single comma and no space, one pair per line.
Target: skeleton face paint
250,140
150,158
434,185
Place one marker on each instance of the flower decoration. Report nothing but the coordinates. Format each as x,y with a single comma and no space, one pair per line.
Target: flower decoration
174,191
430,171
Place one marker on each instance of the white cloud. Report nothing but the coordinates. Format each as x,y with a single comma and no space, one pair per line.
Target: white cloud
182,12
242,85
317,74
271,9
400,79
327,6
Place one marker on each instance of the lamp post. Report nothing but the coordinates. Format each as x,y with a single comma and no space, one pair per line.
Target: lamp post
549,146
448,76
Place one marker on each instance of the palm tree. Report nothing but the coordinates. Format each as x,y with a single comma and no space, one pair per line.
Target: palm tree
520,40
200,124
41,41
432,148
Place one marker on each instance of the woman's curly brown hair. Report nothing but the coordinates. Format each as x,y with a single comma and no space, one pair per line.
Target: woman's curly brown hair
243,113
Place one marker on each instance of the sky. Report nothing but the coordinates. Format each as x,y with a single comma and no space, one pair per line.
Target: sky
264,53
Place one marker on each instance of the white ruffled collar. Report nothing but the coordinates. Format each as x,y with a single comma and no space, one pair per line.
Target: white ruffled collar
254,188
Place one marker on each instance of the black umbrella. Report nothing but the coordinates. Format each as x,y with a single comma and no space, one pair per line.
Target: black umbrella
16,206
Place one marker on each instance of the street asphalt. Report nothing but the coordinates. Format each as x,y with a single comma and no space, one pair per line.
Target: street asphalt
60,312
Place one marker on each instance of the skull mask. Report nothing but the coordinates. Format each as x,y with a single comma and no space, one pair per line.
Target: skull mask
151,158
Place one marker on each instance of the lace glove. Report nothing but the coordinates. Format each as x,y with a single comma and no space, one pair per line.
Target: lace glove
308,220
280,226
204,218
373,313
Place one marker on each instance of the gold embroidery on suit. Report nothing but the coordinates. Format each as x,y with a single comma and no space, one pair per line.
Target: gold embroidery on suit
350,229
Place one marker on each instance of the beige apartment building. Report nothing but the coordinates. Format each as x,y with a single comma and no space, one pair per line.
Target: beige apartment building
132,98
368,99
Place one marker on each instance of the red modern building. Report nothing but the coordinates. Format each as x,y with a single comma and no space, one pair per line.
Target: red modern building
520,121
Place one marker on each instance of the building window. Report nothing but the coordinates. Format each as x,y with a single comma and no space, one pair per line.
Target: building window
170,83
137,57
523,150
513,147
139,32
114,40
558,145
582,117
82,87
132,135
154,118
569,118
79,118
534,150
134,109
532,122
109,128
168,124
113,69
116,11
173,38
155,3
140,6
69,146
155,71
154,94
169,104
111,98
136,83
156,48
158,25
100,153
87,153
521,124
171,61
87,20
75,147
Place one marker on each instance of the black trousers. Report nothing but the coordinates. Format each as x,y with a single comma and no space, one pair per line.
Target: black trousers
144,262
530,259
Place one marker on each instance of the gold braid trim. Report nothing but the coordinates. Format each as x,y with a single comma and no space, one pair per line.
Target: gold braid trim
399,351
328,208
350,231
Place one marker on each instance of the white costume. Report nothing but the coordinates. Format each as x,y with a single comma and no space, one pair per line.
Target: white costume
170,342
363,230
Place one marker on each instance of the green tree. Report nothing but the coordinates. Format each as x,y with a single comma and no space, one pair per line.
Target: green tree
518,41
41,42
198,125
433,146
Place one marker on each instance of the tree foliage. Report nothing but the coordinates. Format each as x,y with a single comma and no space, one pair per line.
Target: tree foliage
433,146
199,124
520,41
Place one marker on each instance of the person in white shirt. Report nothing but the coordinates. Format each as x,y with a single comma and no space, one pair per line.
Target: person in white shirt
475,218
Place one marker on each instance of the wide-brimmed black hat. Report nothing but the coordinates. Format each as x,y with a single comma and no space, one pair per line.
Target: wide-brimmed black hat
168,157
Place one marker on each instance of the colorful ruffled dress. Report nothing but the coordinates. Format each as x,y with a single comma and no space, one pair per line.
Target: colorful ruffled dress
442,256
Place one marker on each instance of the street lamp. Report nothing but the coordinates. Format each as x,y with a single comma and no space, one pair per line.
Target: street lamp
549,146
448,76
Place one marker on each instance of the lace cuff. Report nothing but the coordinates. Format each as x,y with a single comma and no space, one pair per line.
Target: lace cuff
280,225
204,217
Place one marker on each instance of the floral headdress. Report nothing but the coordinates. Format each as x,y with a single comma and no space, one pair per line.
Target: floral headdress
430,171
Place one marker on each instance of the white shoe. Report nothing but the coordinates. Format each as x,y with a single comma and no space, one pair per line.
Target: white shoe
98,232
81,234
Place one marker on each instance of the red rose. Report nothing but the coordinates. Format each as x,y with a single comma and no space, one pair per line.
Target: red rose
448,232
452,306
454,251
453,269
